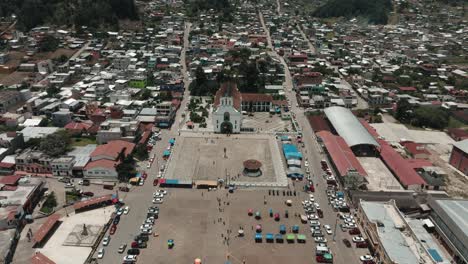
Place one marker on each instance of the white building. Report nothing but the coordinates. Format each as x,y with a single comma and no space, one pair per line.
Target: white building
227,114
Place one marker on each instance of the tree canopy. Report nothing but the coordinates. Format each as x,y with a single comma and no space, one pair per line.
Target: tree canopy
32,13
56,144
376,11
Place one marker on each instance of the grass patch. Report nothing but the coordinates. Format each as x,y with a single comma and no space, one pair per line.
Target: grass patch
454,123
47,210
82,141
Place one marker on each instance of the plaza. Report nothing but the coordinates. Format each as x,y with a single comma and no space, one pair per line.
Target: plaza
213,157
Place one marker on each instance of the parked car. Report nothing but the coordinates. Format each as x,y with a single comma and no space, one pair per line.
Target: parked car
90,194
155,182
158,200
122,248
130,258
69,185
120,211
126,210
354,231
362,244
366,257
106,241
100,253
124,189
133,251
357,239
347,243
113,229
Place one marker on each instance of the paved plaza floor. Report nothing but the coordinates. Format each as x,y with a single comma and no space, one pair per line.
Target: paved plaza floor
202,157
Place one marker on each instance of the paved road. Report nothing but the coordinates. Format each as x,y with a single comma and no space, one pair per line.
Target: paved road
309,43
313,153
140,197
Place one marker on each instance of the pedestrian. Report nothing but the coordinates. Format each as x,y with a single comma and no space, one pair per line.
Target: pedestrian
224,223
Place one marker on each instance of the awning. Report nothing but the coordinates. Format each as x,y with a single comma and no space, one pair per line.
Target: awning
45,228
40,258
92,201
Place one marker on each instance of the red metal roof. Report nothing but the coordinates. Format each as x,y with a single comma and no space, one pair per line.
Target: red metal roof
6,165
45,228
399,166
342,155
415,148
113,149
419,163
92,201
103,163
40,258
256,97
10,180
318,123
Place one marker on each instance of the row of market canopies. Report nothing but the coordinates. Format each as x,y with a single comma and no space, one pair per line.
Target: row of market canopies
269,237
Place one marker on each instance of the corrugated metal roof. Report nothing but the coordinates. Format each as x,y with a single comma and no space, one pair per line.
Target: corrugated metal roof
462,145
349,127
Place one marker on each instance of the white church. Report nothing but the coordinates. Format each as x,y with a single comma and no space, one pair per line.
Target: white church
227,113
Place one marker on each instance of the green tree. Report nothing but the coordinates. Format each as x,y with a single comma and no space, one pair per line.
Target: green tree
145,94
56,144
126,169
427,116
404,110
141,152
51,201
52,91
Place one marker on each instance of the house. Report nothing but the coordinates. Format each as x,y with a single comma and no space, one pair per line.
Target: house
415,150
9,99
81,127
61,118
33,161
62,166
120,129
105,159
227,114
256,102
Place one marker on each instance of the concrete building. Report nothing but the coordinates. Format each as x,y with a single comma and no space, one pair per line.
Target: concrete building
62,166
9,99
450,217
33,162
227,116
252,102
123,129
389,235
377,97
61,118
82,155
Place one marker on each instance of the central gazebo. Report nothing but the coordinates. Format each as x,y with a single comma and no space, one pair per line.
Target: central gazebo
252,168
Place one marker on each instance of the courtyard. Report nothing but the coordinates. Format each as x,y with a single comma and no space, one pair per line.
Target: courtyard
214,156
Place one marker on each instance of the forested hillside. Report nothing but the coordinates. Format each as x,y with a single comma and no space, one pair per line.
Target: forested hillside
91,13
375,10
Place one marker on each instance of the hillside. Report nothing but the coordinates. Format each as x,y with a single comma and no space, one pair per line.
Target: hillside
91,13
376,10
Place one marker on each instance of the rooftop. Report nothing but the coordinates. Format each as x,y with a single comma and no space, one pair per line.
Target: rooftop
389,226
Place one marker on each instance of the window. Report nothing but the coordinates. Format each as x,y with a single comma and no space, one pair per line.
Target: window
227,116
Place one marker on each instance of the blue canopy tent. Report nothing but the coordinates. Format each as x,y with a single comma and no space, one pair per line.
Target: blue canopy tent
269,237
279,238
295,228
258,237
172,141
166,153
282,229
290,152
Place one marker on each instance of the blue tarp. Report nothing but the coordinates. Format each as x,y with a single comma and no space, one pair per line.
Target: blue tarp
138,175
339,194
258,236
172,181
269,236
279,237
435,255
172,141
295,228
166,153
290,152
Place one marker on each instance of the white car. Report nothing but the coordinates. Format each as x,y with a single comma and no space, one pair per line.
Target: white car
158,195
366,257
120,211
311,196
158,200
126,210
320,240
312,217
145,226
358,239
307,170
141,182
69,185
306,163
314,223
130,258
106,241
147,230
100,253
162,191
160,174
328,229
148,166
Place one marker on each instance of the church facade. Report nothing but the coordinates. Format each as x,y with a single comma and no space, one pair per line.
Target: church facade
227,115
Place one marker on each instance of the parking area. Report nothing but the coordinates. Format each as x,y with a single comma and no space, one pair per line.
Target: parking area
206,225
213,157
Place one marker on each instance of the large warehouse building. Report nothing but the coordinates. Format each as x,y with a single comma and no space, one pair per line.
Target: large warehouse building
450,218
352,131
